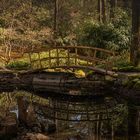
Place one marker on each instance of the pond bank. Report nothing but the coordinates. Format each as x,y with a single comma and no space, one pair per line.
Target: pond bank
127,84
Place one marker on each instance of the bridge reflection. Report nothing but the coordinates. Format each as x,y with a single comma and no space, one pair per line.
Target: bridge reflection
88,118
99,110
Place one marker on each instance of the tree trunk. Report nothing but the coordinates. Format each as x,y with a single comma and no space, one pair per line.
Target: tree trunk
135,46
104,11
113,4
55,18
99,10
126,3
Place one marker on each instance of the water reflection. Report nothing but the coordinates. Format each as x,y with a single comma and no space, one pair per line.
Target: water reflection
61,118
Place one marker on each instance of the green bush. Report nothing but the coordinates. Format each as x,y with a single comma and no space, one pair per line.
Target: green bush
18,65
114,35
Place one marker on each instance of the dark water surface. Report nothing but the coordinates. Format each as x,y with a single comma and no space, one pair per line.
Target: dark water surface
64,118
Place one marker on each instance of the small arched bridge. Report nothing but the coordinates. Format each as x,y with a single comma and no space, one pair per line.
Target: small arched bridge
82,57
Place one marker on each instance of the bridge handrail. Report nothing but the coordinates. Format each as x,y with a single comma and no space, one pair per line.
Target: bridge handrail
71,47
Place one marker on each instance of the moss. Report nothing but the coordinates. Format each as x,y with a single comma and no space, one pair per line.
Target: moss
18,65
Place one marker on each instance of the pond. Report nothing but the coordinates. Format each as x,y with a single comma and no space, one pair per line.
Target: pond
32,115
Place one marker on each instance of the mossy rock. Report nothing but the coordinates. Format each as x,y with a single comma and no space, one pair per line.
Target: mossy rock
109,78
115,75
126,69
134,76
137,85
125,83
135,80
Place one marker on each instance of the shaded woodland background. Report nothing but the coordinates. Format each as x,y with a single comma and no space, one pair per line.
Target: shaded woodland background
28,24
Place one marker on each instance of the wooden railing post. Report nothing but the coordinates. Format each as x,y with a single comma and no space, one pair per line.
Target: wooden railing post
94,57
68,57
76,56
95,51
39,60
87,60
49,58
30,59
57,55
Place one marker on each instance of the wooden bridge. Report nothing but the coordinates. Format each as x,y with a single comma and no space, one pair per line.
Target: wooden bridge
65,57
82,57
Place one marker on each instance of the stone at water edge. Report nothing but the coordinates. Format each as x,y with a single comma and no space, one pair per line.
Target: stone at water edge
37,136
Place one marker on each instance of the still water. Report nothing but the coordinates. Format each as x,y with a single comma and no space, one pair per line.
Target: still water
59,118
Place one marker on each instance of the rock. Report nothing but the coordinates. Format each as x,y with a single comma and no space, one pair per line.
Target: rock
40,136
37,136
137,85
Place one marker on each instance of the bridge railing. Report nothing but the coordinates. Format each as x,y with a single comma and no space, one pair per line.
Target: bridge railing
70,56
